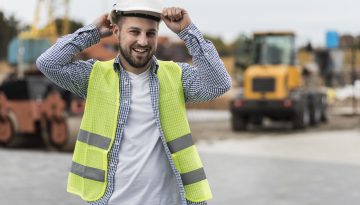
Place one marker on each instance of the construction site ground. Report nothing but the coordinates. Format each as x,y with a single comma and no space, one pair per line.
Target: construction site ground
215,125
273,165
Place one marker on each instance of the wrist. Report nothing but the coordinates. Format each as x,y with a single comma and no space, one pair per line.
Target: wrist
96,32
184,33
183,27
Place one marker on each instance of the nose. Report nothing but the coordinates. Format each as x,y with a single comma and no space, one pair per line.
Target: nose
142,40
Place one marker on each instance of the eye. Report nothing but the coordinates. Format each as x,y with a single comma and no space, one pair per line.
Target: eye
134,32
151,34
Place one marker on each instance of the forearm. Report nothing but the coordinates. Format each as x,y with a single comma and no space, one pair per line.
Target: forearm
207,78
56,63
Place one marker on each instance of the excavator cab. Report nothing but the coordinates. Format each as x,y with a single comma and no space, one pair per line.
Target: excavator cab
273,49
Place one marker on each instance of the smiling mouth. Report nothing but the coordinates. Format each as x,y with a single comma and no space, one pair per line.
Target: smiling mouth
140,50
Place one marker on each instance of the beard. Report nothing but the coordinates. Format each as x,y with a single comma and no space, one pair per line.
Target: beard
136,62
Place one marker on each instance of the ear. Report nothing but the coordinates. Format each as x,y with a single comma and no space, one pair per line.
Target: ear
116,31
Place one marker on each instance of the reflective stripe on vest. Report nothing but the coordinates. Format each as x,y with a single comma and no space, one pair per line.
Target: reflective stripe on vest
180,143
193,176
88,172
93,139
88,175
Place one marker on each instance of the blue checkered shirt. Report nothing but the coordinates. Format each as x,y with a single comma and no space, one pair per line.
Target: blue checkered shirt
203,81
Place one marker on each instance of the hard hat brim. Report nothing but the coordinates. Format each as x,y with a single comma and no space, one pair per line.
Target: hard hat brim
140,10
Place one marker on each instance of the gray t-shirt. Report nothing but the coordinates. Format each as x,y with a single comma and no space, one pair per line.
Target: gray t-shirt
144,175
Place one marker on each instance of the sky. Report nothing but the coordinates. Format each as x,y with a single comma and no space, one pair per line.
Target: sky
309,19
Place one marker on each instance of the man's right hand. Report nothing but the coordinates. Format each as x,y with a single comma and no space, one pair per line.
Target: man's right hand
104,26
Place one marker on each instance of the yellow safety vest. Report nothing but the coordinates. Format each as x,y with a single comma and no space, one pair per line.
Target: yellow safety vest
88,175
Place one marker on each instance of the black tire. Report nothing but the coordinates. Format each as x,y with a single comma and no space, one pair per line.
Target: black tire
55,139
14,139
73,124
238,123
324,116
72,129
324,110
315,111
301,117
258,121
44,133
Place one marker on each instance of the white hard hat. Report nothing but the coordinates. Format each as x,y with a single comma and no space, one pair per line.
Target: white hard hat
146,7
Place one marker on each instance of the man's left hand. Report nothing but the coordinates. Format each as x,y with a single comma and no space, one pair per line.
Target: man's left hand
175,18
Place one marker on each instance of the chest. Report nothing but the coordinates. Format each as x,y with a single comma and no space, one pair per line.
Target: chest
141,105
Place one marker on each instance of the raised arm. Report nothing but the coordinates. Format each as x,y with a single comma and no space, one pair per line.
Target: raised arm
207,78
57,62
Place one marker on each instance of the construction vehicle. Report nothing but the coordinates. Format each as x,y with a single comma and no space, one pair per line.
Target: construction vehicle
273,85
32,109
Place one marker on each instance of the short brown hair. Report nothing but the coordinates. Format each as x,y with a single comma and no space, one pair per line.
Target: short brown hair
115,17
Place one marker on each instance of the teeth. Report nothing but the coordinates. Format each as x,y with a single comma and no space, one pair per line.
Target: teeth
139,50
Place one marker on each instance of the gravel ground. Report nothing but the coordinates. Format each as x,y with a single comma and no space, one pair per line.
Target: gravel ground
212,125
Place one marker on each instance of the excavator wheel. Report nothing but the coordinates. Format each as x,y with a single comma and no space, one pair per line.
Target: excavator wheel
60,133
6,130
301,118
238,123
73,124
9,136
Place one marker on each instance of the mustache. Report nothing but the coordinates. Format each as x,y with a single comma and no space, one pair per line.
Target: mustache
140,46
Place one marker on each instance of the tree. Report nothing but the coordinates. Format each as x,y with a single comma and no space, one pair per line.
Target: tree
241,49
74,25
222,48
9,29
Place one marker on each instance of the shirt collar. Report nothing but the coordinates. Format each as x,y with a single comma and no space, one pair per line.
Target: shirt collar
154,65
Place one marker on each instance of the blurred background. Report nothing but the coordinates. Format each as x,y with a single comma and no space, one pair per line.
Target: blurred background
288,131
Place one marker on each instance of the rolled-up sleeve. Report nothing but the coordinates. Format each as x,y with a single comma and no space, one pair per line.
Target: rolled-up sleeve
57,62
207,78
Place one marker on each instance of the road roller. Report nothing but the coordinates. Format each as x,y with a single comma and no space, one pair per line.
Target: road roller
34,112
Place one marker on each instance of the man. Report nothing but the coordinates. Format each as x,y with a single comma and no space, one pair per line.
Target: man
134,146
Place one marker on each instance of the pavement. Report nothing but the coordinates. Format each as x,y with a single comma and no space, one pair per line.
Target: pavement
38,177
208,115
312,168
196,115
294,169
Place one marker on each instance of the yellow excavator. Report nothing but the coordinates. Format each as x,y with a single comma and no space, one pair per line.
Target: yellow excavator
273,85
